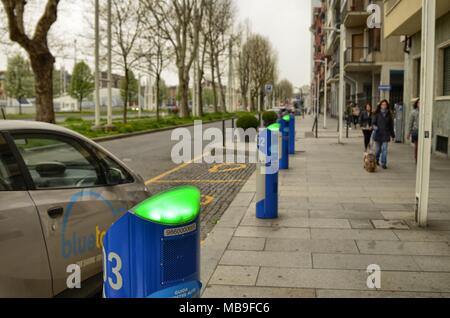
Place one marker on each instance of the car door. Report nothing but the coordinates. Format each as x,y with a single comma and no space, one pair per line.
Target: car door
76,204
24,265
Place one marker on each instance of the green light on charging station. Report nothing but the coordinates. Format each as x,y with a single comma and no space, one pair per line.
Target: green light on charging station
274,127
287,118
174,207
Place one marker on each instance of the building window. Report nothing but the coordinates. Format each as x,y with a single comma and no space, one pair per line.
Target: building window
374,40
446,71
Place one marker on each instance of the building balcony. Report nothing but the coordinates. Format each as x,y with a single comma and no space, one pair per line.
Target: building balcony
354,13
358,59
404,17
333,73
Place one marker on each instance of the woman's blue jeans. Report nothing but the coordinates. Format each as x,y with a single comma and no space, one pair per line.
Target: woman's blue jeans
382,151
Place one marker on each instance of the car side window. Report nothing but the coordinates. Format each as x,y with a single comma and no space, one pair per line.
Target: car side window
56,162
11,178
115,173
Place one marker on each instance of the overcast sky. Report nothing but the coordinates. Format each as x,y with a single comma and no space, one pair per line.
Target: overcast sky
285,22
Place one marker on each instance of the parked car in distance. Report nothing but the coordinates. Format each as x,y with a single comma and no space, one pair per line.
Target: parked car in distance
59,194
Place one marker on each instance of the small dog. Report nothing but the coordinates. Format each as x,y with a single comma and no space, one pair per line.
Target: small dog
370,162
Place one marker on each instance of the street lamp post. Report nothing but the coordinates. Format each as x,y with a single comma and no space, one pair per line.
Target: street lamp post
97,65
341,31
109,124
325,92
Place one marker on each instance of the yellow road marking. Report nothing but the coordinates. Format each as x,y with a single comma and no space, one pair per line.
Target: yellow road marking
218,168
207,200
167,173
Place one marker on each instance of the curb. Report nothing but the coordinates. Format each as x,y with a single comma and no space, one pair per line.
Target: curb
150,131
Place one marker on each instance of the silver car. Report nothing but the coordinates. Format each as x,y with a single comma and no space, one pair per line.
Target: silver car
59,193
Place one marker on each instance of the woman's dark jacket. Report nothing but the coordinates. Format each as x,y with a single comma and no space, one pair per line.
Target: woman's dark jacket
385,124
365,119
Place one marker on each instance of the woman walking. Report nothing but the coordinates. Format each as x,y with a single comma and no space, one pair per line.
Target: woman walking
383,125
365,121
414,127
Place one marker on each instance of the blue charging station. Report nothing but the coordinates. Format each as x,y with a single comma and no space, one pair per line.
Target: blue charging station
153,251
284,129
267,173
292,134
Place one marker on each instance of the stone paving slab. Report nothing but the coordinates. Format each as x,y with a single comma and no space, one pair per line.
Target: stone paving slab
328,293
217,291
353,279
311,246
433,263
311,278
266,258
358,261
272,232
404,248
247,244
338,234
235,275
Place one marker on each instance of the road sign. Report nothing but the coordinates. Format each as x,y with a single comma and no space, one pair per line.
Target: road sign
385,88
269,88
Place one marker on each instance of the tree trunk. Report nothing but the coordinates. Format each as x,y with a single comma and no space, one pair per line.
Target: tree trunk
125,102
42,65
214,88
245,100
184,93
200,92
158,80
222,91
80,101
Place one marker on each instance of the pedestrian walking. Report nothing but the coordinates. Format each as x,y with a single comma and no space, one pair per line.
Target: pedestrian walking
348,115
414,127
383,125
355,113
365,121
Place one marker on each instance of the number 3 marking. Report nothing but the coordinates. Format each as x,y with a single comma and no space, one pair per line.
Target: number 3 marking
115,270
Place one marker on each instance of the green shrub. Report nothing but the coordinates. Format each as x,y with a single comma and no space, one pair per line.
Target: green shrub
269,118
73,119
247,121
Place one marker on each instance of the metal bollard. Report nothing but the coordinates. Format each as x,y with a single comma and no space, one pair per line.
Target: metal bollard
292,135
284,128
267,173
153,251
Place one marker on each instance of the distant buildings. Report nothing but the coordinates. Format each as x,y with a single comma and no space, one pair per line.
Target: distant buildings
373,64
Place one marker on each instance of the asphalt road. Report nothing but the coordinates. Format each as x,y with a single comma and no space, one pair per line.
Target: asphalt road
150,155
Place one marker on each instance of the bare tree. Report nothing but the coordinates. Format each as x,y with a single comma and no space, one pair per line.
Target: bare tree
41,59
126,32
201,63
155,50
180,22
219,16
285,90
262,65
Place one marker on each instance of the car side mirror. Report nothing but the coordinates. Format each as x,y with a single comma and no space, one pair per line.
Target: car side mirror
114,176
51,169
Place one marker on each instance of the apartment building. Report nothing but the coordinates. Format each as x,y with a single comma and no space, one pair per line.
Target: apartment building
373,64
318,12
403,18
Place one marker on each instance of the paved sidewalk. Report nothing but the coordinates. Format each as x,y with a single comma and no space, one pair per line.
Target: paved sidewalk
335,220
